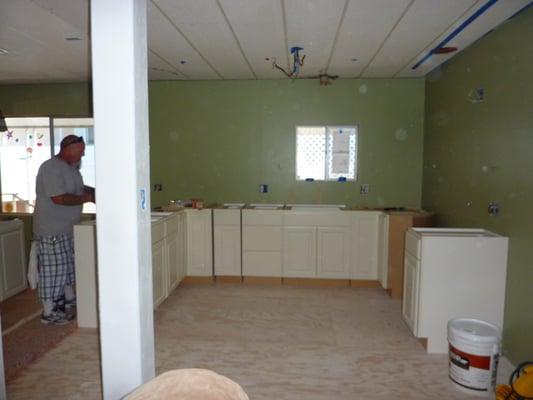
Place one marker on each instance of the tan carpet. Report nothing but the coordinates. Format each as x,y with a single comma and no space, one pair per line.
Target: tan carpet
29,342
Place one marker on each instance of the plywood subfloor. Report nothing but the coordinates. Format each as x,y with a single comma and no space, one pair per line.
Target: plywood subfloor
277,342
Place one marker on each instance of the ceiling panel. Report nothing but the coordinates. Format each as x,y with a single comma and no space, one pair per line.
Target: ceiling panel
230,39
75,12
171,46
203,23
37,45
494,16
422,23
159,69
313,24
362,32
260,31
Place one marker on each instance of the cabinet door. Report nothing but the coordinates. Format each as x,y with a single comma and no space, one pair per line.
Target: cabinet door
299,252
334,252
181,247
158,275
173,266
13,263
199,243
410,292
365,246
227,248
383,251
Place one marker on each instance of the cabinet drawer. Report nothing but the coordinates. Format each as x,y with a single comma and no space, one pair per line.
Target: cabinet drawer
262,217
413,243
227,217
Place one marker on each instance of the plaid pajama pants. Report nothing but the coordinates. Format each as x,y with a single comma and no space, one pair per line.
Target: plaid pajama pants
56,265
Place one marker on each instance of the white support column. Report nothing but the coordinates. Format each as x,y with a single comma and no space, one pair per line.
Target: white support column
120,103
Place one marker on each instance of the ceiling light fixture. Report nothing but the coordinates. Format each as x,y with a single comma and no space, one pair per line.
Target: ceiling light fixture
298,63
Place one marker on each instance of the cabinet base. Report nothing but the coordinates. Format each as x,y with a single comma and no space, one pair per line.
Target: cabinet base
361,283
260,280
316,282
227,279
197,280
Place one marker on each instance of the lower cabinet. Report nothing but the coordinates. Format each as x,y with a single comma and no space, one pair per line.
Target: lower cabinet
333,252
158,272
299,252
365,239
172,255
410,292
262,243
12,258
227,242
199,242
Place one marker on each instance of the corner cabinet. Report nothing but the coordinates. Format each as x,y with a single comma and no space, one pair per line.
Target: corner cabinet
199,246
12,258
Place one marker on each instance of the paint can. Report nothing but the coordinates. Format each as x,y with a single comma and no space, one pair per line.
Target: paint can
474,350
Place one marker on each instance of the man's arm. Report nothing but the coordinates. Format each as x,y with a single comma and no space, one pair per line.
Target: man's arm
73,199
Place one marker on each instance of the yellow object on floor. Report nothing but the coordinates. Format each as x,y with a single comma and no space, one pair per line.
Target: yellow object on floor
520,384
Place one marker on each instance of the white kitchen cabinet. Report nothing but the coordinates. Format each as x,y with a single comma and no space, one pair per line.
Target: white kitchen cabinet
410,292
182,233
452,273
365,239
227,242
158,272
316,243
262,243
383,251
334,252
167,263
299,252
199,247
12,258
172,254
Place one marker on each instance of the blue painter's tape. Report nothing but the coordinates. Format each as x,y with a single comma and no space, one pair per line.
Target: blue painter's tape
143,199
457,30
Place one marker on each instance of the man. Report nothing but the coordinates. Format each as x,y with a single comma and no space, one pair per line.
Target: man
60,198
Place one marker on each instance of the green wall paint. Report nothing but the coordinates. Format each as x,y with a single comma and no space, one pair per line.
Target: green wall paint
218,140
55,99
475,153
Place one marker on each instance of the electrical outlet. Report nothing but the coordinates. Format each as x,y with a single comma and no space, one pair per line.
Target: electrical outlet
263,188
365,189
493,209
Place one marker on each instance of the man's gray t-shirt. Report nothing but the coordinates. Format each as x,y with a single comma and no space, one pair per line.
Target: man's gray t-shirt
56,177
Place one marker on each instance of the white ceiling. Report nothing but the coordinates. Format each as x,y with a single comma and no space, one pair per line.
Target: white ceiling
231,39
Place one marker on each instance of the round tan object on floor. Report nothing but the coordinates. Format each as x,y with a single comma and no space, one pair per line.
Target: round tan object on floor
189,384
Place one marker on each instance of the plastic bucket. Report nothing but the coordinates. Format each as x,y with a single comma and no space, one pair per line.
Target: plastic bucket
474,350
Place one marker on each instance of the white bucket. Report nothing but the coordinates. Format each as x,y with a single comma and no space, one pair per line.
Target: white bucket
474,350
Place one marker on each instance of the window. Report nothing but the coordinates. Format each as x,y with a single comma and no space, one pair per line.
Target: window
326,153
26,145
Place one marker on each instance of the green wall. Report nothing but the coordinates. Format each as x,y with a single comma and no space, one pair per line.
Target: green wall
219,140
55,99
476,153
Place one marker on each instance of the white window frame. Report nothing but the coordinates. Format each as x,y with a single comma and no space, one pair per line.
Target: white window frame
326,155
